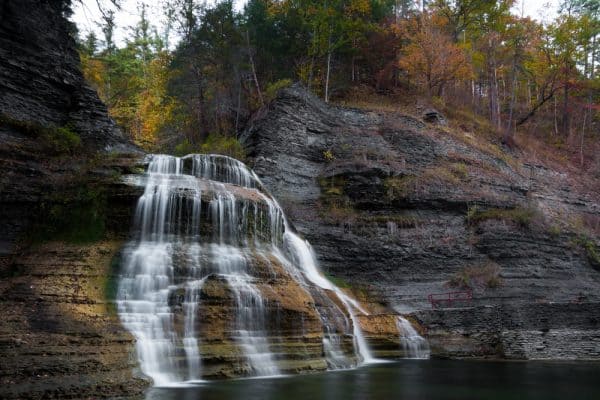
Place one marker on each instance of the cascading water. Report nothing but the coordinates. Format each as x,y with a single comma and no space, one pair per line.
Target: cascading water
413,344
204,221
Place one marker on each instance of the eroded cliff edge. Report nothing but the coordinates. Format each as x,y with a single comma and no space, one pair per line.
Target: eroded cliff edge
401,208
63,217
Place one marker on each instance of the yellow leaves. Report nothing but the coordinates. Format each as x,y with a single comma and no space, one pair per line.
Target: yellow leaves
94,71
359,8
155,108
137,98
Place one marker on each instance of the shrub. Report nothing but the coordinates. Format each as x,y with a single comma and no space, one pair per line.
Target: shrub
25,127
397,188
59,140
332,187
554,230
472,276
591,250
62,140
73,216
184,148
273,88
214,144
339,282
336,207
460,170
225,145
441,174
328,156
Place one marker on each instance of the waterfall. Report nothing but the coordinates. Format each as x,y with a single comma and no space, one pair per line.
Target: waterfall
413,344
206,222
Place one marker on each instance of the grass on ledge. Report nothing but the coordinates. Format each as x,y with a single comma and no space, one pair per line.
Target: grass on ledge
522,216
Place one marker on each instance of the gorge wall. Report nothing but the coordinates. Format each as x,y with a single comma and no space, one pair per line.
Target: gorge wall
400,208
395,208
61,157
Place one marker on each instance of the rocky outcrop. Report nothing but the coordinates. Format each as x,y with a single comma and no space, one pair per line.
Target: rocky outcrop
40,74
403,208
539,331
49,116
61,336
61,157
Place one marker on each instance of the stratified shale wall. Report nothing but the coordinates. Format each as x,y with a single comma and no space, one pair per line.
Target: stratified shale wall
404,208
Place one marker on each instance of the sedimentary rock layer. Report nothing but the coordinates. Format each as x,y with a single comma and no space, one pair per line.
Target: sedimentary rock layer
402,208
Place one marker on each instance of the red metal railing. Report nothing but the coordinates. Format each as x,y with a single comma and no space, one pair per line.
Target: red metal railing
438,299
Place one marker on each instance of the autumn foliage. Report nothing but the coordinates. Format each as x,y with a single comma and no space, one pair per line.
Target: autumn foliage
430,58
211,67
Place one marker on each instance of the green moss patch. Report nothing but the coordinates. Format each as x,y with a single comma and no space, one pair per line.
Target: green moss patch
339,282
76,216
57,140
591,251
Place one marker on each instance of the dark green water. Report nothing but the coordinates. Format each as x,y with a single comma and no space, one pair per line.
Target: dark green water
412,380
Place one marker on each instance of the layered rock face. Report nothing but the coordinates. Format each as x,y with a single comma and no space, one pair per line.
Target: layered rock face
60,335
41,79
45,107
59,238
403,208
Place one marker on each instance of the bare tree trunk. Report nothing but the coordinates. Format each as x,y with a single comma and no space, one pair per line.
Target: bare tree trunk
582,137
589,103
239,106
555,117
253,66
566,118
493,94
528,94
509,131
200,106
328,68
353,61
312,62
566,122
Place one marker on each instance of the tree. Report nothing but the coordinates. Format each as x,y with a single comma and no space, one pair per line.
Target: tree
210,74
431,58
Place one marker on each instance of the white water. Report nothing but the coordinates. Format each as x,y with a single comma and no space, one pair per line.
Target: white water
413,344
173,253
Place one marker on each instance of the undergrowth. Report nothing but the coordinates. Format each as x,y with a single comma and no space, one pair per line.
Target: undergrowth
73,216
522,216
473,276
214,144
57,140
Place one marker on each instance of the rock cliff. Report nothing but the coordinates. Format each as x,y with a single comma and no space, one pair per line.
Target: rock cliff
404,208
60,157
396,208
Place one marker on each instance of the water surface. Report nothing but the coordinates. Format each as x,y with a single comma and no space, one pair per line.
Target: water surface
412,380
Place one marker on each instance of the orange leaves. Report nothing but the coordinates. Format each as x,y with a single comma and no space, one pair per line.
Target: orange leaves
430,57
